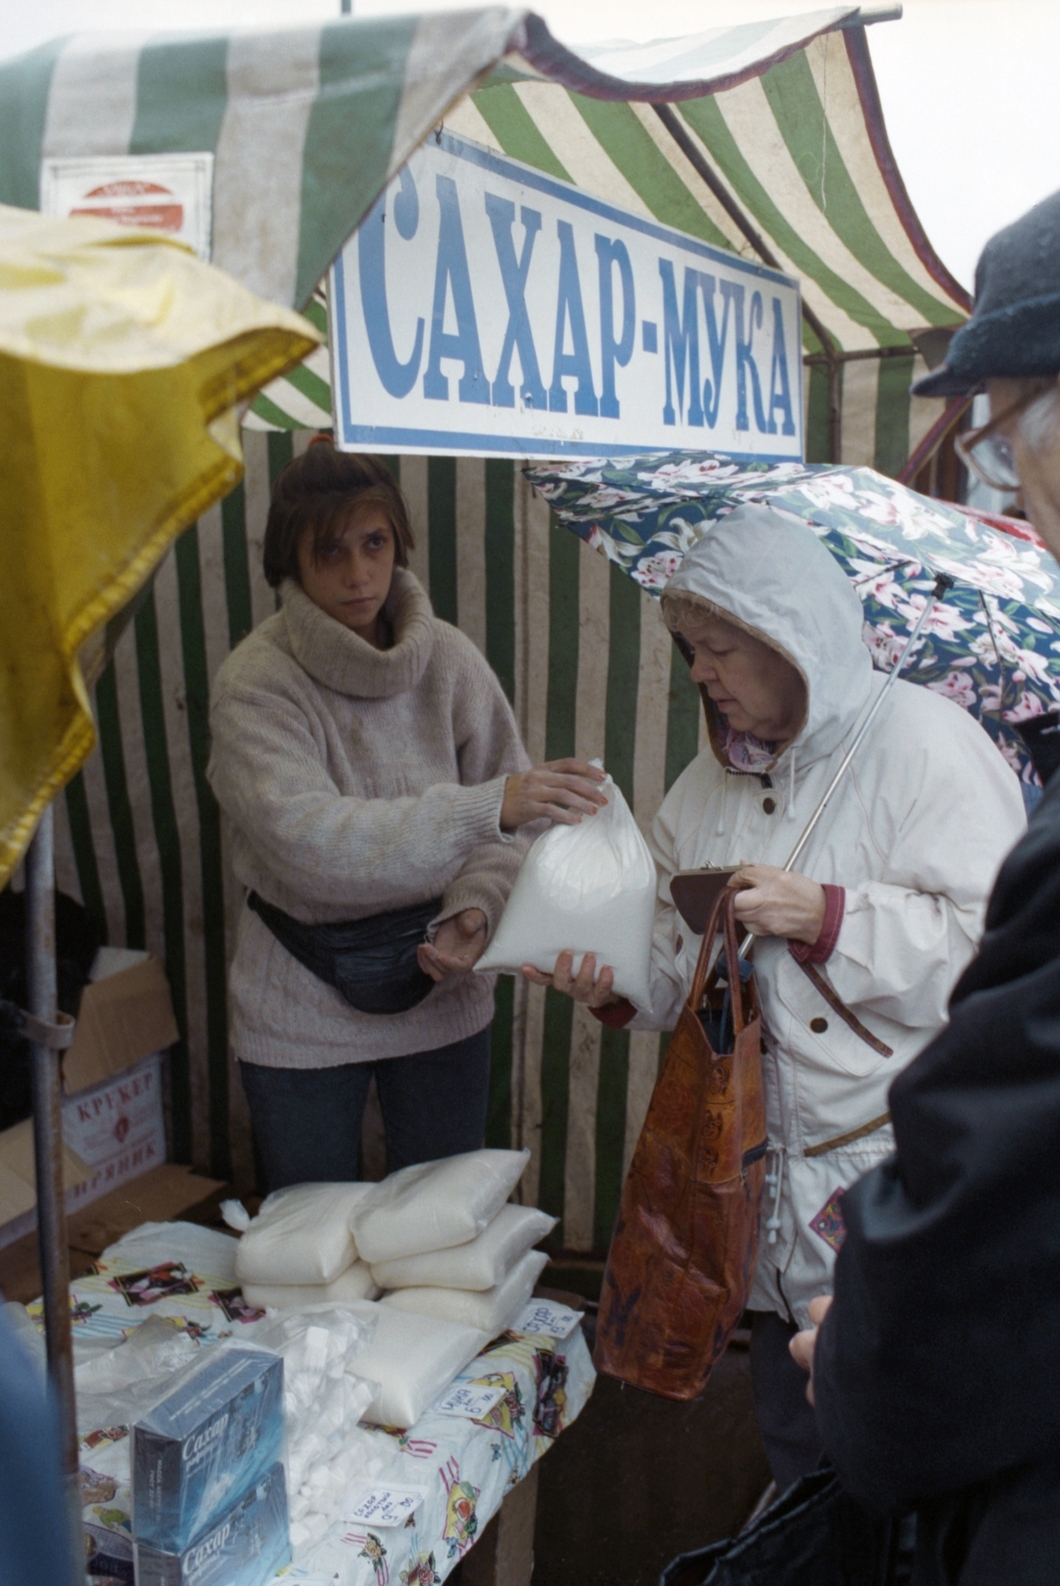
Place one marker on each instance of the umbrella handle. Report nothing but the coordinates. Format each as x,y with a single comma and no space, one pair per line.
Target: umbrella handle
943,584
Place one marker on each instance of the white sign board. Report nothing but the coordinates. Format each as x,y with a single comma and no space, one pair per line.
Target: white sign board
484,307
170,193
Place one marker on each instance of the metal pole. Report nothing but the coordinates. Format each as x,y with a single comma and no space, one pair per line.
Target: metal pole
48,1150
943,582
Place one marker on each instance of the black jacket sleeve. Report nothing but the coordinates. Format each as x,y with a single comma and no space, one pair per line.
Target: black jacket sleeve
938,1367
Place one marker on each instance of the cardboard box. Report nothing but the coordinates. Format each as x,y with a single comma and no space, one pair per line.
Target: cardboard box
113,1125
126,1013
18,1171
117,1129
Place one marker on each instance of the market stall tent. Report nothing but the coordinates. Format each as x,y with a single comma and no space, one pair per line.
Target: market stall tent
792,167
784,122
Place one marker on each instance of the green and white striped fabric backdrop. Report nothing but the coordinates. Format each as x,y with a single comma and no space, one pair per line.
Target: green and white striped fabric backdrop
585,659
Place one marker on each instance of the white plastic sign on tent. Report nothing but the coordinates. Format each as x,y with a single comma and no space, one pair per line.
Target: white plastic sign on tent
485,307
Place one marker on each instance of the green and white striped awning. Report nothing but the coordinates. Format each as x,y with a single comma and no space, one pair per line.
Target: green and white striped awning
791,165
766,138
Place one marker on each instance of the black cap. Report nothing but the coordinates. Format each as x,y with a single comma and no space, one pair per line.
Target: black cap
1014,331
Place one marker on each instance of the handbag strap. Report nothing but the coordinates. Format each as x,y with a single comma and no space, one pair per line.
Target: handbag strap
725,905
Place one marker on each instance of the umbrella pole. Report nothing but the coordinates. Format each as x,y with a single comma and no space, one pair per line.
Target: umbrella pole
48,1149
942,583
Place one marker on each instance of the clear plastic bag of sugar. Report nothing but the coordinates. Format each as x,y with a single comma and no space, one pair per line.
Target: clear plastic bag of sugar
583,889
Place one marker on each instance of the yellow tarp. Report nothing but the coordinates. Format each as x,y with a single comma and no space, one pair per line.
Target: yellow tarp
122,361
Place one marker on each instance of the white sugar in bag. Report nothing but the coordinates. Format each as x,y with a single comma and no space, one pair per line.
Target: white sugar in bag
583,889
490,1312
412,1359
434,1205
301,1235
481,1264
356,1283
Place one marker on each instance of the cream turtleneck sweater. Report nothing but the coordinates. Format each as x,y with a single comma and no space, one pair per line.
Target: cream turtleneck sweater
356,781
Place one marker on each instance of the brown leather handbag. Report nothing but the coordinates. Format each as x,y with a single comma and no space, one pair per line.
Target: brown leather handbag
683,1252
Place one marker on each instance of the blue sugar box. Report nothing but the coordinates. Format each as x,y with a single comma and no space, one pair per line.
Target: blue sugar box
214,1435
245,1546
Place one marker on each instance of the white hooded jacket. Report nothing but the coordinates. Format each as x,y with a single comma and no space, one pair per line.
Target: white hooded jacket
915,835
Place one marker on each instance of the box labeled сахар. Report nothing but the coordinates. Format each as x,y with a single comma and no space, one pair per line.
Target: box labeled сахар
246,1546
213,1436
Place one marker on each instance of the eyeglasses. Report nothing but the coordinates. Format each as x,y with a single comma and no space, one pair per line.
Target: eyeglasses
988,453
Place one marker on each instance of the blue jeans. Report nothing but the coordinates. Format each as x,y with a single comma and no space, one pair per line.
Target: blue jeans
307,1121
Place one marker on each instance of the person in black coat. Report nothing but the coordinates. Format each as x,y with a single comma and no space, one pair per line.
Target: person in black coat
936,1369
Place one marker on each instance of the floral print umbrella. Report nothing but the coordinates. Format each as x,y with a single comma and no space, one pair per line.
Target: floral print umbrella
993,643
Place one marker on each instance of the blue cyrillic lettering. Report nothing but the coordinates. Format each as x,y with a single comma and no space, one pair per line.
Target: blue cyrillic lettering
745,363
610,252
451,271
518,335
574,364
716,344
779,381
397,378
681,344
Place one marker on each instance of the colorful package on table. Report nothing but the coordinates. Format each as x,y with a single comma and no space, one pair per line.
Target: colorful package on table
244,1547
213,1436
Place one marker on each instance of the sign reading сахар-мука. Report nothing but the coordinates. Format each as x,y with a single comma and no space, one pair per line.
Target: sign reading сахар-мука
483,307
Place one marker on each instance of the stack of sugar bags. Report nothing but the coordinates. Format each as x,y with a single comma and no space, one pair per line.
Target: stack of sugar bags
444,1243
299,1251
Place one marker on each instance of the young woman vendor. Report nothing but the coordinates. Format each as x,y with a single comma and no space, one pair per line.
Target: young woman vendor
374,782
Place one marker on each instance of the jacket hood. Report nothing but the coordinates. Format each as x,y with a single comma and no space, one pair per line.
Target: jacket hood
770,575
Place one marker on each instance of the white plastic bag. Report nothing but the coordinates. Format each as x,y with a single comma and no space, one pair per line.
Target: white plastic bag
411,1359
356,1283
583,889
490,1312
301,1235
116,1386
434,1205
481,1264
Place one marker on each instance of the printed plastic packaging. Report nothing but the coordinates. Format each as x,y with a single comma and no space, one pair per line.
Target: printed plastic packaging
210,1438
435,1205
583,889
301,1235
480,1264
245,1546
490,1312
411,1359
356,1283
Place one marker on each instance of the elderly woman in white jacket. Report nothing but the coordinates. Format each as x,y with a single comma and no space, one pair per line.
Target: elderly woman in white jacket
858,950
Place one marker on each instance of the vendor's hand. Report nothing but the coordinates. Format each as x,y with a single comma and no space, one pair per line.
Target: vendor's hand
584,987
804,1344
561,791
779,903
459,943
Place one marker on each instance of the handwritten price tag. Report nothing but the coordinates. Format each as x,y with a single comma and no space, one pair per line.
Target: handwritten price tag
542,1319
388,1506
471,1400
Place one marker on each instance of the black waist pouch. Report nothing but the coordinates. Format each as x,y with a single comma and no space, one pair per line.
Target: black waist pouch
371,963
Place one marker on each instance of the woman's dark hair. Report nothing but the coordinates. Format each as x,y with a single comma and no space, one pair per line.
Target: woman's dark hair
321,490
